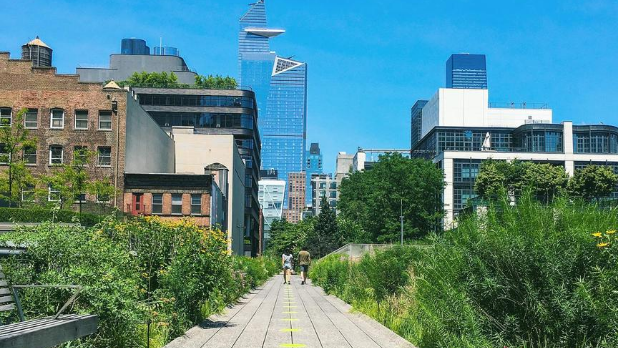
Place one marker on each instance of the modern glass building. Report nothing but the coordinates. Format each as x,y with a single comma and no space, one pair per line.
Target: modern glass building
466,71
271,195
314,166
416,119
280,86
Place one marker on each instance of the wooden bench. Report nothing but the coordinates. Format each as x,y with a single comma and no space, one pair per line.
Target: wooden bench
44,332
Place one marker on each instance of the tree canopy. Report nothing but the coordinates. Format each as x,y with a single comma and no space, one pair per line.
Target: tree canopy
592,182
170,80
215,82
375,198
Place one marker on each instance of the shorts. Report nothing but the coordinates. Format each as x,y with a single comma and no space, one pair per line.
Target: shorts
304,268
287,266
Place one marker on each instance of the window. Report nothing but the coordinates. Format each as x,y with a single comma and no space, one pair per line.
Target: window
80,155
105,156
105,120
31,119
30,154
27,193
53,194
80,198
5,156
81,119
55,154
5,117
103,198
196,204
157,203
57,118
177,204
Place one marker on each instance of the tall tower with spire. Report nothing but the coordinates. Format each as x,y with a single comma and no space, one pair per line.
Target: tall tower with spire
280,86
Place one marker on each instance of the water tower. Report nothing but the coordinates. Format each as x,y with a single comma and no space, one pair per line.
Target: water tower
38,52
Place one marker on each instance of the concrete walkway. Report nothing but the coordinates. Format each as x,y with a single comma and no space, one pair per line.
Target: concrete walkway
278,315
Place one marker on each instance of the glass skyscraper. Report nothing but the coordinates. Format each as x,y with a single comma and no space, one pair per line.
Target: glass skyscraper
314,166
280,86
466,71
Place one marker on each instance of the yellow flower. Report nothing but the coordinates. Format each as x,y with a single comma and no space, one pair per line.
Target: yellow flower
611,232
602,245
597,234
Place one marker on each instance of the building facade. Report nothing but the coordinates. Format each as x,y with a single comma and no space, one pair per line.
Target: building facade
324,185
297,187
280,86
416,120
67,116
137,59
215,112
271,196
314,166
468,71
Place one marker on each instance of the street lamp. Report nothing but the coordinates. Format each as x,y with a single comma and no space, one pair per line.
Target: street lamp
401,218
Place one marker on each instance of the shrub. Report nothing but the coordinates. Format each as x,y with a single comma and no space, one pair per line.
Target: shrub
139,273
43,215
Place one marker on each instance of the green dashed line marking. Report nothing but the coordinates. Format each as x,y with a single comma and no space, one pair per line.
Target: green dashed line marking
293,345
289,330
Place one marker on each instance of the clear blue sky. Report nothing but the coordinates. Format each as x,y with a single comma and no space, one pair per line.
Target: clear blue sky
368,60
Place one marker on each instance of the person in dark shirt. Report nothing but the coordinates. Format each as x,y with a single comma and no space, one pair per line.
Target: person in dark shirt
304,259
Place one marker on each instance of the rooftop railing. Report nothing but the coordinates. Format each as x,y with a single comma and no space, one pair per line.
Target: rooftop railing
517,105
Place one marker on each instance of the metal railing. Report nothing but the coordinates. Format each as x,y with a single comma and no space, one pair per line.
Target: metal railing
356,251
522,105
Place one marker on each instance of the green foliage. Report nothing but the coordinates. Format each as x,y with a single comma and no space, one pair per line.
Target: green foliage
373,198
153,79
532,275
48,215
592,182
325,236
171,274
15,138
288,237
215,82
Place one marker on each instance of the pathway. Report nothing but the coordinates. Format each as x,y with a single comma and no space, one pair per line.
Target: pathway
278,315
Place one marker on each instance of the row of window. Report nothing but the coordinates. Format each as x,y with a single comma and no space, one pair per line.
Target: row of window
56,155
196,100
203,120
57,119
157,204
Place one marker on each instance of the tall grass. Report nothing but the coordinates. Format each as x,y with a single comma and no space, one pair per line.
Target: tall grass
531,275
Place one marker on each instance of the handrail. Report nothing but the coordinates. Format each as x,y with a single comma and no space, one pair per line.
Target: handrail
66,304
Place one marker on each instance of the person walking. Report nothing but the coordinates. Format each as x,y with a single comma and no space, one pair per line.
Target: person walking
304,259
286,262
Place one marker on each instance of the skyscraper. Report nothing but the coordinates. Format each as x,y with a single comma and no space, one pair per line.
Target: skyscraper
466,71
280,86
416,118
314,166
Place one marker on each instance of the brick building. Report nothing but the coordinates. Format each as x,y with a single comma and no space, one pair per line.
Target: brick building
65,115
297,188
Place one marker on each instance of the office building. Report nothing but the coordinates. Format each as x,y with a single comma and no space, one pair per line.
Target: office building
135,57
215,112
416,119
324,185
458,139
297,187
467,71
271,195
280,86
314,166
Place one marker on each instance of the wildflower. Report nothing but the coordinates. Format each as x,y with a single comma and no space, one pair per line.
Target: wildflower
602,245
597,234
611,232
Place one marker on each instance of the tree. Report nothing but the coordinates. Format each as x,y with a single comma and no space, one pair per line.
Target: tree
592,182
325,236
374,198
215,82
152,79
288,237
498,178
14,139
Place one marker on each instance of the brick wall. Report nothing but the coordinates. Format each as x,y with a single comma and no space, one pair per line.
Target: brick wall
202,220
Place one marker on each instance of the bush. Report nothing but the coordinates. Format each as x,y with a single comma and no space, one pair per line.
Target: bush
43,215
530,275
169,274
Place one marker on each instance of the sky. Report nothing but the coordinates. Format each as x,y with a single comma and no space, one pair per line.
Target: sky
368,61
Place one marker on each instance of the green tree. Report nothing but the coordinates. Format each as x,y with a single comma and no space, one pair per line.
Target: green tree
14,140
374,198
325,236
288,237
152,79
592,182
215,82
